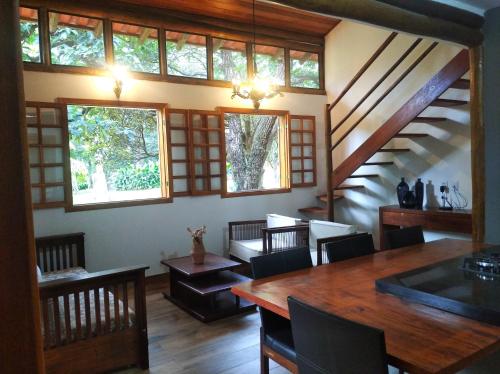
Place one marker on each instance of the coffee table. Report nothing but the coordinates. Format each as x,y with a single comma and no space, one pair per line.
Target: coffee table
204,290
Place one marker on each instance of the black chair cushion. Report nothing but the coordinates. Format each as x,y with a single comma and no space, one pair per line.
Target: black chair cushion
328,344
404,237
281,341
360,245
280,262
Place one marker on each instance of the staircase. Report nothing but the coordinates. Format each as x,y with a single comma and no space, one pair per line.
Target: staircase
343,176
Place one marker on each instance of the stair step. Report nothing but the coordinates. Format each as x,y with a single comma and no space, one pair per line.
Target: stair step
349,187
314,210
446,103
429,119
378,163
461,84
410,135
324,198
364,176
394,150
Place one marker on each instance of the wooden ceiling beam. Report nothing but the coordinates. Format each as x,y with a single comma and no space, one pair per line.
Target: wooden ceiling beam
391,17
439,10
177,21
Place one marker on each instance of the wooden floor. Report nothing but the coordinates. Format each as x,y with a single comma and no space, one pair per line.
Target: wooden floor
178,343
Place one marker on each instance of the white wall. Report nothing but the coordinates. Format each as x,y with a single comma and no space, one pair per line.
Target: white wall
443,156
146,234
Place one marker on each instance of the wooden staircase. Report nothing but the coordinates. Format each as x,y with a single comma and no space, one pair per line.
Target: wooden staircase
428,96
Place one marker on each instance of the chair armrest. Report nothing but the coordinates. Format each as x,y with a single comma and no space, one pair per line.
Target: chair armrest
284,238
246,230
320,243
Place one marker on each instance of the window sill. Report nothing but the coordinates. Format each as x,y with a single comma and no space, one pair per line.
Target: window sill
119,204
226,195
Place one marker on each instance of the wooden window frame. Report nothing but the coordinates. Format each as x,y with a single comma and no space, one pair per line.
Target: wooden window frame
189,27
165,166
43,204
159,50
284,152
187,148
301,131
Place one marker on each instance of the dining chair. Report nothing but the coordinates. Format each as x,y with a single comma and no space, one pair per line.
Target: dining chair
360,245
328,344
404,237
276,340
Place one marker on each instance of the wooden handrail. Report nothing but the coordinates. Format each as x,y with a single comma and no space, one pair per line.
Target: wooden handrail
364,68
386,93
329,166
378,83
434,88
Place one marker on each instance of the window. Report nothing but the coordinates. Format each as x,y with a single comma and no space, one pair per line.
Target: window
179,147
46,150
76,40
229,60
303,151
256,148
270,63
30,35
304,68
136,47
115,154
186,55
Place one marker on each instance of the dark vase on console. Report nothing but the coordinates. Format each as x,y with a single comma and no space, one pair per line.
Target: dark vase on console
409,200
402,189
419,194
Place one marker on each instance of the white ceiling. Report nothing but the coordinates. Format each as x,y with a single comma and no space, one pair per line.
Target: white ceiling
476,6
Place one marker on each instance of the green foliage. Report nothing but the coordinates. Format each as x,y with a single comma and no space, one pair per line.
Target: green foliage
136,55
76,47
115,138
229,65
82,180
30,41
271,67
304,73
187,60
139,177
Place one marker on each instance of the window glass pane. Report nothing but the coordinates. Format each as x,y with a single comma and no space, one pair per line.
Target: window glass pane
32,135
76,41
34,155
304,68
52,155
54,194
49,116
230,60
253,165
180,185
270,62
114,154
30,34
136,47
31,116
51,136
36,195
186,55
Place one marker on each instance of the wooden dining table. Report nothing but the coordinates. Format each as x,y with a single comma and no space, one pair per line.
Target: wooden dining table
419,339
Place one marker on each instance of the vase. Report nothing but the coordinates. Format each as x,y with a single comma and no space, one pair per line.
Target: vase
419,194
402,189
198,251
409,200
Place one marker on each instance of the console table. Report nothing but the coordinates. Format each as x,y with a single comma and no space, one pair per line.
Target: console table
203,290
393,217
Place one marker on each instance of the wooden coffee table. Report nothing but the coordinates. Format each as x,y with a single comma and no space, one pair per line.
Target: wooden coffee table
203,290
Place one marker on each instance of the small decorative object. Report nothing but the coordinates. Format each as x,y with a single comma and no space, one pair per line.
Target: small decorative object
409,200
402,189
198,250
419,194
446,205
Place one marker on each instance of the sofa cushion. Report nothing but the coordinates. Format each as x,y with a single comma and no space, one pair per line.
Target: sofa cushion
245,249
276,220
38,274
327,229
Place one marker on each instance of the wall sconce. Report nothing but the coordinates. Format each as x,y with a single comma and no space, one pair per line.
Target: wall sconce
120,77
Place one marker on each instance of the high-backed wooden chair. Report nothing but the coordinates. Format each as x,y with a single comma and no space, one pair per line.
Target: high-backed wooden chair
276,340
404,237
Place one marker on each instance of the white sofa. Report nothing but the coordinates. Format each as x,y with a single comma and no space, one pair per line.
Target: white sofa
321,232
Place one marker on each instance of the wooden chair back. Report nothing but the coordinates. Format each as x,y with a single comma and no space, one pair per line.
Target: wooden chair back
60,252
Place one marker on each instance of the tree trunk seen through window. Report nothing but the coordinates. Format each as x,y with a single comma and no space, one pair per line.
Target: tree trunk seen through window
252,152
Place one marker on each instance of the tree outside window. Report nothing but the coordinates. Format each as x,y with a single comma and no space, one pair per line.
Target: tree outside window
230,60
114,154
186,55
76,41
270,63
136,47
304,68
254,152
30,35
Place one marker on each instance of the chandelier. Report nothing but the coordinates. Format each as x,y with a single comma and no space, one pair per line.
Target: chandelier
255,89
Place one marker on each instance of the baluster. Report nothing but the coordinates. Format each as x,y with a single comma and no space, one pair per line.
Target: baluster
116,295
88,319
57,320
125,304
78,316
67,318
107,317
97,307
